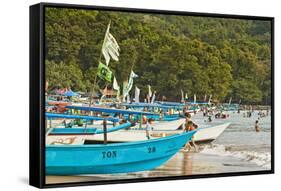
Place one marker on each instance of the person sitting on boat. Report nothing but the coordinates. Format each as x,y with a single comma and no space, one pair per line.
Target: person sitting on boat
78,122
149,127
190,126
161,115
122,119
132,120
144,119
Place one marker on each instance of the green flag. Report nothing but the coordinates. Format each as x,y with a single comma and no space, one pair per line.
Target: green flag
104,72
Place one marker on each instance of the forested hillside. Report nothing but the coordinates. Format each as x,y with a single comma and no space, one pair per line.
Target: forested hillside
200,55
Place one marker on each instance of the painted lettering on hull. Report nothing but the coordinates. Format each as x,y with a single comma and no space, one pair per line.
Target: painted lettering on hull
109,154
151,149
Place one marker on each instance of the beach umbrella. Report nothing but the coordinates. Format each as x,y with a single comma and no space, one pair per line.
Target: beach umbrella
70,94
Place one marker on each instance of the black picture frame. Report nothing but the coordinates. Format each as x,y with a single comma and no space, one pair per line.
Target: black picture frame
37,95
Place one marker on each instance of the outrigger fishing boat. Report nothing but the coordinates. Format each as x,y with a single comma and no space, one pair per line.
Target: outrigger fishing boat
204,134
164,113
174,121
77,136
192,107
113,158
104,158
164,125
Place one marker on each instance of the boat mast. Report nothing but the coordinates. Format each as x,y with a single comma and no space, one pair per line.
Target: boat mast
95,80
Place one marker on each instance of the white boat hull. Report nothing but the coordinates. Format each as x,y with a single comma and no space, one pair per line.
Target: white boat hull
209,134
167,125
202,135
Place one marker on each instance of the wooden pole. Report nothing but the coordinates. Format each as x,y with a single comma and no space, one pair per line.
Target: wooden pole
95,81
92,94
140,121
104,132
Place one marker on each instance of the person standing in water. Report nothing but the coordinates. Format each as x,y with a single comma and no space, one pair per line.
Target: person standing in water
257,127
190,127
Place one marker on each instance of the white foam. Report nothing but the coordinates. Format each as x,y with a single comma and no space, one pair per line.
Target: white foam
262,159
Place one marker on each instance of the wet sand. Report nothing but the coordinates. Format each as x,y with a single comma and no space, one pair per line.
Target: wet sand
183,163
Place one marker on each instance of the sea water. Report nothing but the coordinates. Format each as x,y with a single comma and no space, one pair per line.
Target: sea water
240,140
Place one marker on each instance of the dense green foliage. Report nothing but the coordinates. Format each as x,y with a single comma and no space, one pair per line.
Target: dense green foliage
200,55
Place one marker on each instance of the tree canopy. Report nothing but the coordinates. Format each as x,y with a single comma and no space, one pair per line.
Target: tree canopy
200,55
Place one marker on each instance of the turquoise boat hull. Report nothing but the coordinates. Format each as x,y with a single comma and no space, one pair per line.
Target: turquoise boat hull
113,158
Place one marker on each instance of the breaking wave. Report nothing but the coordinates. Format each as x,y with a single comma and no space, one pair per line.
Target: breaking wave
262,159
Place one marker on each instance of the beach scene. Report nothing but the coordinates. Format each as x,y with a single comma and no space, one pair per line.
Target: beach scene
141,95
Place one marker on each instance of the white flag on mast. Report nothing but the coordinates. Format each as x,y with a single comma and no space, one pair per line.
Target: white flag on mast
153,97
137,94
210,98
110,47
116,87
125,84
230,101
128,98
149,91
115,84
129,86
205,97
185,97
182,96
